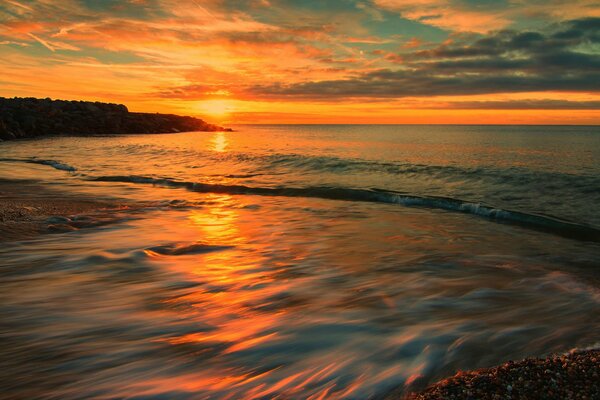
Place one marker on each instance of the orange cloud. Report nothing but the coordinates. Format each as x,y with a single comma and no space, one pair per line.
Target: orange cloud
458,16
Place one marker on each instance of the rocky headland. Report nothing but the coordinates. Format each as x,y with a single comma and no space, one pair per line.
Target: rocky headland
31,117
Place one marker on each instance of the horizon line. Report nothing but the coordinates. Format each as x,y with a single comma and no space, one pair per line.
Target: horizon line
405,124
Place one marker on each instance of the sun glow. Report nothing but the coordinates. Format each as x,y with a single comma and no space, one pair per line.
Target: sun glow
216,108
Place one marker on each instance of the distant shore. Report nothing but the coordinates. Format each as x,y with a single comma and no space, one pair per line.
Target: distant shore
31,117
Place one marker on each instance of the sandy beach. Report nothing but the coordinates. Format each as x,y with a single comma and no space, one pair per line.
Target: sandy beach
28,209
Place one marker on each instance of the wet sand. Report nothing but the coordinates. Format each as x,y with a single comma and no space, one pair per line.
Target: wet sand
28,209
570,376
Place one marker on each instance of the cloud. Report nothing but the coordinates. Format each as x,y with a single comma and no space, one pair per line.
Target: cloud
564,58
483,16
52,45
196,92
447,14
544,104
20,5
10,42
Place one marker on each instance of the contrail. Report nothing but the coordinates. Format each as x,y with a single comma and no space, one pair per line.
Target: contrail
43,42
17,4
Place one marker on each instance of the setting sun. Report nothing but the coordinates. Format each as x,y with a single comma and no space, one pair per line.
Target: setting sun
215,108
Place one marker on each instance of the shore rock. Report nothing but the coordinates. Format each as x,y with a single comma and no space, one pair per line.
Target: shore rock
31,117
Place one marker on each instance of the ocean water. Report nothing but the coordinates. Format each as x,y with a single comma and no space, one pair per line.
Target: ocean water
297,262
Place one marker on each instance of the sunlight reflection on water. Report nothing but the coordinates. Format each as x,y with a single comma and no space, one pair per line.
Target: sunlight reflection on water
220,142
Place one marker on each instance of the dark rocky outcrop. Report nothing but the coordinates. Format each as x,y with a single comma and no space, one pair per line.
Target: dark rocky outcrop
31,117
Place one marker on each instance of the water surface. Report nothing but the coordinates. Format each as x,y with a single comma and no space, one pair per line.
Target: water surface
303,261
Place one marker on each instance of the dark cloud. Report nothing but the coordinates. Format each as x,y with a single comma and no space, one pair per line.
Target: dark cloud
562,58
387,83
543,104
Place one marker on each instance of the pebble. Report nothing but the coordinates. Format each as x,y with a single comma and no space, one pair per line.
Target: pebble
569,376
58,220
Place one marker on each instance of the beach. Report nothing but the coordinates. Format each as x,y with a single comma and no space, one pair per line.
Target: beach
29,209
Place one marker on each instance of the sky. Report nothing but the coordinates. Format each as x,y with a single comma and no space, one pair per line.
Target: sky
312,61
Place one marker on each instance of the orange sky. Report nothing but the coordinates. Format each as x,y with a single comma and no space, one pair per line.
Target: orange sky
268,61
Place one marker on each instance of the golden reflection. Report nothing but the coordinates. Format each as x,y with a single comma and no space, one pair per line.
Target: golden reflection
220,142
238,286
218,221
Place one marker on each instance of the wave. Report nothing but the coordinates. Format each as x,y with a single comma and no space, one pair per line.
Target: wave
540,222
177,249
513,176
340,165
54,164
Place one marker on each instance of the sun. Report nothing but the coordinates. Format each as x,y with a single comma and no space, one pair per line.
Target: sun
217,108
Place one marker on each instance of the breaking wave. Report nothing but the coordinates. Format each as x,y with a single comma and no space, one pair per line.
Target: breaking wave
54,164
545,223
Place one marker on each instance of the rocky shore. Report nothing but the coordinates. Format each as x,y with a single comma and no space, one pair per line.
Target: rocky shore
31,117
569,376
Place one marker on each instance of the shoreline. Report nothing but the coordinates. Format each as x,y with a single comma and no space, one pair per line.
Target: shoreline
29,209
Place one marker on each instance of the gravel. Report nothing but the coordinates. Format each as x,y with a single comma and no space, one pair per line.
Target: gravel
575,375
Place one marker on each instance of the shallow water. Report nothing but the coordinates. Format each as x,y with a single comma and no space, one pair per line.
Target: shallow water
268,267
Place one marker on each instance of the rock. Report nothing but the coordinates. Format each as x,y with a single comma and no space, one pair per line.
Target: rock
30,117
58,220
5,134
61,228
92,108
29,123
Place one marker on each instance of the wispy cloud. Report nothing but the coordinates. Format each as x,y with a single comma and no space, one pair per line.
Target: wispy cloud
42,42
486,16
19,5
52,45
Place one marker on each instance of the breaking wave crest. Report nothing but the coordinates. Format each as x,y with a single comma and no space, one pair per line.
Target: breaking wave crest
54,164
545,223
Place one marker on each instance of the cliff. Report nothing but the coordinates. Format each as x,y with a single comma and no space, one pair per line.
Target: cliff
31,117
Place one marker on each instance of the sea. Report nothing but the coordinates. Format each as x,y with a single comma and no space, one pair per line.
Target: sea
301,261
